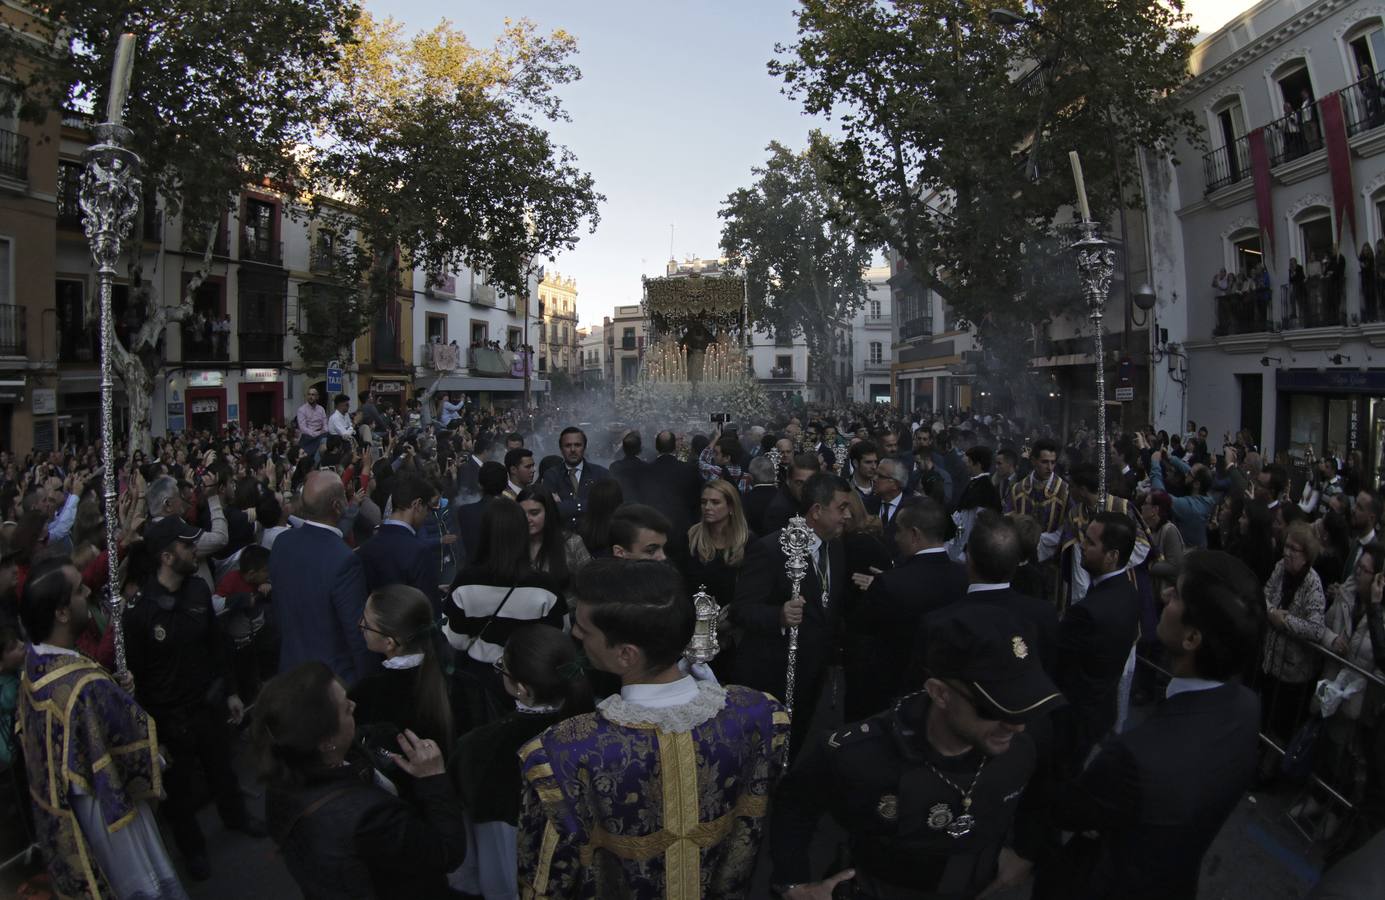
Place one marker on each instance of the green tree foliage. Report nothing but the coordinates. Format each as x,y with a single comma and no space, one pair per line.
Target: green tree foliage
804,265
437,151
939,109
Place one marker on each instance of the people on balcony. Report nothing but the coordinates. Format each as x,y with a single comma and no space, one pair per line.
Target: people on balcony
1221,282
1371,93
1298,290
1312,137
1291,132
1335,276
1260,294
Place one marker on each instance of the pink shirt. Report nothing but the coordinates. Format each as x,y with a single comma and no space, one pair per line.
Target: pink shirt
312,420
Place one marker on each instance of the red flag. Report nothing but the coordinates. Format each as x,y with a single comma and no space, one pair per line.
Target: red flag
1338,162
1264,206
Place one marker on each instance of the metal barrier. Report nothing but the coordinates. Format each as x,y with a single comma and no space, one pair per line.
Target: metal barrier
1338,765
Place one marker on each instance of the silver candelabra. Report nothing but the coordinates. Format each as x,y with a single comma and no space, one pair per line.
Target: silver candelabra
1096,262
794,540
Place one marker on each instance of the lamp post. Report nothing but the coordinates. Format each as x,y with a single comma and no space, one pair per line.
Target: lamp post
110,200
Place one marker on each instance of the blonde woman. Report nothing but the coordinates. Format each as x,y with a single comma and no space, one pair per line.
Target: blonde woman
716,544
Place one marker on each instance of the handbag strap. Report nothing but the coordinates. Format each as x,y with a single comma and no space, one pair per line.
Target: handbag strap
491,617
313,807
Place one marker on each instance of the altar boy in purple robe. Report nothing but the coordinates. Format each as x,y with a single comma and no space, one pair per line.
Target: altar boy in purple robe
663,791
92,754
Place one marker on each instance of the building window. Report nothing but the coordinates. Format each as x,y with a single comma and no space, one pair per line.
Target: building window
875,309
479,334
437,329
783,367
877,352
1367,48
1315,239
1246,254
512,341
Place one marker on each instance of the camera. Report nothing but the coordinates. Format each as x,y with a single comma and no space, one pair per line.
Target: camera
719,418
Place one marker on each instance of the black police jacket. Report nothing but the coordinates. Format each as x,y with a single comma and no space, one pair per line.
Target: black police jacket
874,777
175,649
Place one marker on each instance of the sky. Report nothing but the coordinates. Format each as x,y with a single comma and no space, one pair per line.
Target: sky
674,109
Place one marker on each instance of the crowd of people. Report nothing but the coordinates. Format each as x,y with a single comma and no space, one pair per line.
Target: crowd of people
453,642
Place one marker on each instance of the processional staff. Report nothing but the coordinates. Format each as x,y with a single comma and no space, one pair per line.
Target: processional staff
794,540
110,199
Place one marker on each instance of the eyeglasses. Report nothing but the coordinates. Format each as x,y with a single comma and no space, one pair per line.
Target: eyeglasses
364,626
1296,551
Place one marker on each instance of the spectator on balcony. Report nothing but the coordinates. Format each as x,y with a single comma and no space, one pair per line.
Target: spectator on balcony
1370,93
1312,138
221,337
1298,290
1260,284
1291,132
1335,272
1221,282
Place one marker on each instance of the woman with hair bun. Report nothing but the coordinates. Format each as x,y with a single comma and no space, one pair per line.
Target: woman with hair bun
541,671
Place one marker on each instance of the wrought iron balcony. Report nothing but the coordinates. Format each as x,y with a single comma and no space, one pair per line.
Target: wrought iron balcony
920,327
14,155
1226,166
261,346
1363,104
14,334
1296,134
255,248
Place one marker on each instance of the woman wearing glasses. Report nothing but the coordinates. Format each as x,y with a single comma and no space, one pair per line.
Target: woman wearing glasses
1295,602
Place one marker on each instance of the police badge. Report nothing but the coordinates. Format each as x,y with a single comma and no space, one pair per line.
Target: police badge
888,807
939,815
159,633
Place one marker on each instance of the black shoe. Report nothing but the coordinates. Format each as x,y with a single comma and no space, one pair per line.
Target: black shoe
250,827
199,867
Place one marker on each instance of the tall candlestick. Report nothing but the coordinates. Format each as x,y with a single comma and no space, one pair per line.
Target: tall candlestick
1081,185
120,78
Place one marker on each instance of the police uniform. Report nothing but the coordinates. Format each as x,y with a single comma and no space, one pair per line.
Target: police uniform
921,825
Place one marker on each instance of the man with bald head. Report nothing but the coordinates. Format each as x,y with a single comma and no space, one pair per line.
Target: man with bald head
319,587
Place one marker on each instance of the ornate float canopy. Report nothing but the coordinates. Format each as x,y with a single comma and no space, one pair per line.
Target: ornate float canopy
676,302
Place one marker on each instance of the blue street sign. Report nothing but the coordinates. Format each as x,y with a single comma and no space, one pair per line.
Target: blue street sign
333,380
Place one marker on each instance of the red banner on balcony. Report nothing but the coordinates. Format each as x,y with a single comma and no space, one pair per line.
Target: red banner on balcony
1264,207
1338,162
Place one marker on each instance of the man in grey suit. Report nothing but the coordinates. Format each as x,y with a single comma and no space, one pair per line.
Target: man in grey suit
319,587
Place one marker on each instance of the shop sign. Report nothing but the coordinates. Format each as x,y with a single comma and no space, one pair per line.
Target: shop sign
205,405
261,375
206,379
45,401
387,387
1125,394
12,391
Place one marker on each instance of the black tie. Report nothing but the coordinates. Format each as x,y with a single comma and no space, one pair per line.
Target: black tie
884,514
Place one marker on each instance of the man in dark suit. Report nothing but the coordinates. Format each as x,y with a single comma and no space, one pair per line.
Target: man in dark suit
787,504
1096,638
673,487
396,554
763,490
493,482
319,587
890,498
572,482
1158,794
993,555
883,626
765,608
469,473
629,469
865,460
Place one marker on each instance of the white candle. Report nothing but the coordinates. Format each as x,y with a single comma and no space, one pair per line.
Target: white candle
120,78
1081,185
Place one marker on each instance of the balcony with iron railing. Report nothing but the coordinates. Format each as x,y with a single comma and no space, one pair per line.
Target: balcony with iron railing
1363,104
920,327
627,343
1296,134
14,332
1226,166
14,156
878,320
1313,303
326,259
1243,312
260,248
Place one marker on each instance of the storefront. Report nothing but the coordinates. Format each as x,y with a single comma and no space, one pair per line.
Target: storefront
204,401
261,396
390,393
1333,411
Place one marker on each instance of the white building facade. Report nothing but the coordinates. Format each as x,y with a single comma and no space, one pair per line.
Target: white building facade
872,342
1267,246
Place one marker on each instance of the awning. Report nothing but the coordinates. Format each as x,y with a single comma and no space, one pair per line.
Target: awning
469,383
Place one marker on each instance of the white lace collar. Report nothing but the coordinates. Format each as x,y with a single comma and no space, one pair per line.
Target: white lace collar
703,703
407,661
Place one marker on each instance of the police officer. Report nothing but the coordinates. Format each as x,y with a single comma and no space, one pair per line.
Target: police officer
928,790
181,664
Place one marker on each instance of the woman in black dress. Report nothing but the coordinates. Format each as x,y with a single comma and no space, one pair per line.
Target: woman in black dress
716,552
